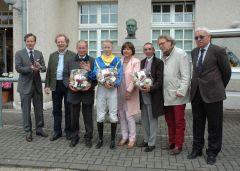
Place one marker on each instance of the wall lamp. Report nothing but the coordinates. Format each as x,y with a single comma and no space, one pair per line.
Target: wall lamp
10,4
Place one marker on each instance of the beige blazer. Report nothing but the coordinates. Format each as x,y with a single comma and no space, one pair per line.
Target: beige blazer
177,75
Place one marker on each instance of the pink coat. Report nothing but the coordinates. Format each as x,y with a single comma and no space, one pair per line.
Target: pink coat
133,104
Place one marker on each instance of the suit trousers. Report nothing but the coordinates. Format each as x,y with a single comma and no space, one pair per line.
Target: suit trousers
57,96
213,112
150,124
174,116
37,99
87,111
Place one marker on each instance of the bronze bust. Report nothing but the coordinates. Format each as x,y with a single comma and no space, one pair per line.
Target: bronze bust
131,26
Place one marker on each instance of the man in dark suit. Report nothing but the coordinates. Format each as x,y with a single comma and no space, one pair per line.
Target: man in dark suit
211,74
80,98
54,83
29,63
151,97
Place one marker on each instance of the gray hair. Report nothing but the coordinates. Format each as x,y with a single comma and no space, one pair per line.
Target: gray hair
205,29
82,41
167,38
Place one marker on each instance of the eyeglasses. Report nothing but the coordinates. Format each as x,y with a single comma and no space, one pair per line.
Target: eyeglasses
199,37
162,43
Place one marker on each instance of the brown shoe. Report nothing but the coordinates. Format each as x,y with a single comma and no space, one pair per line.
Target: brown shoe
123,142
131,145
175,151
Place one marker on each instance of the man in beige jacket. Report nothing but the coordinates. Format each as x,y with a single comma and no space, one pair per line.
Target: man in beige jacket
176,91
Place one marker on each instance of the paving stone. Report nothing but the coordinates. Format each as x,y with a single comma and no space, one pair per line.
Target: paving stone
44,153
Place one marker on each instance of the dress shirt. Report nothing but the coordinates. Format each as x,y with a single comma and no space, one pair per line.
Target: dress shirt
204,53
60,65
28,50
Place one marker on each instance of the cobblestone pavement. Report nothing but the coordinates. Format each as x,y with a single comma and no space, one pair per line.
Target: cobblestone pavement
45,155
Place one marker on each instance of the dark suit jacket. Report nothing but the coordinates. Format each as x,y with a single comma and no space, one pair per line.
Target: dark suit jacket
86,97
215,75
26,74
51,75
156,90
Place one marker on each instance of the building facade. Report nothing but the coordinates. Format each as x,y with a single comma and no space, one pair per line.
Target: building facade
95,21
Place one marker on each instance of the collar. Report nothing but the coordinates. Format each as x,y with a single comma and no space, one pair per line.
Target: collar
206,47
62,53
149,59
81,57
108,59
84,58
165,57
28,50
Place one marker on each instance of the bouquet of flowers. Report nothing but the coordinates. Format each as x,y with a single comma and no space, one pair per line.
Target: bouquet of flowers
107,75
79,79
142,79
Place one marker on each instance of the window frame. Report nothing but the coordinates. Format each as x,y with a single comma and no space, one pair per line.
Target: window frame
98,26
172,26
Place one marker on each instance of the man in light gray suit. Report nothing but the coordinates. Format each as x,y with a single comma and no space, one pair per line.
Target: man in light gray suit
29,63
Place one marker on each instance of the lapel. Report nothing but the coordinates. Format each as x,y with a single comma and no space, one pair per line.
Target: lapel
55,59
153,65
143,63
207,56
195,56
129,64
26,56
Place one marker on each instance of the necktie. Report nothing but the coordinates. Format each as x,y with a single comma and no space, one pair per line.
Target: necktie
146,64
200,61
31,57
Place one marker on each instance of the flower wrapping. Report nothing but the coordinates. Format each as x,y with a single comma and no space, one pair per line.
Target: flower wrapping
79,79
142,79
107,75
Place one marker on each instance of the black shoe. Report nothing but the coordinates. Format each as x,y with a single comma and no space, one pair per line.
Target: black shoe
112,145
211,160
74,142
99,144
88,143
143,144
194,154
29,136
68,136
55,137
149,148
41,133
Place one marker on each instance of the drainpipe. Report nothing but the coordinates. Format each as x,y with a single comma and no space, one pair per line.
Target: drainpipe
24,21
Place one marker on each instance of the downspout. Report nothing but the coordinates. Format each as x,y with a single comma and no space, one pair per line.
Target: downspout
24,21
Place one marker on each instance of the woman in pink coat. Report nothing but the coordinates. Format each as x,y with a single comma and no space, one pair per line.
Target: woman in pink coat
128,96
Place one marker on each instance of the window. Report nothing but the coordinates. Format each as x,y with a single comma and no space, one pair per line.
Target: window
98,22
172,13
175,20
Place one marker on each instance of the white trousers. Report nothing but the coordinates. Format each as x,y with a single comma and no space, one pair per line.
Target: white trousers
106,102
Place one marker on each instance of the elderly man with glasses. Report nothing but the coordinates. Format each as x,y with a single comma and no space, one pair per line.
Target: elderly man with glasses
211,74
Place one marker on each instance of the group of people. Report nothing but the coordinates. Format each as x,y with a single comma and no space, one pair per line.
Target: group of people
173,85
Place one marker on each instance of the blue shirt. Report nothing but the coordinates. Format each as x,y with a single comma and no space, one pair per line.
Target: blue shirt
60,66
